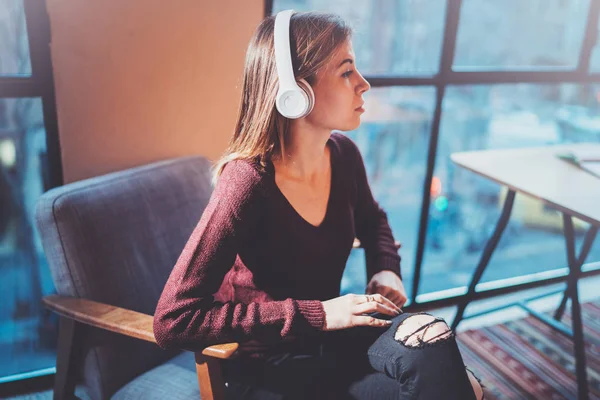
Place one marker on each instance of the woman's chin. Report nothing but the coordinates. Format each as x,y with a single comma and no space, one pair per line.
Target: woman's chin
355,124
350,125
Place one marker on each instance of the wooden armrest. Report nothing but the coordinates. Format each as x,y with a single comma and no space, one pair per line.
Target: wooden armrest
119,320
358,245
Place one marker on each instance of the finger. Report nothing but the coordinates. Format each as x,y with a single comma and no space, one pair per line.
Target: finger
378,298
384,290
384,300
363,320
401,298
396,298
370,289
365,298
372,307
401,301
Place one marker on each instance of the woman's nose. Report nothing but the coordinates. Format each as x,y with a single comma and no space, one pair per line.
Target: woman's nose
364,85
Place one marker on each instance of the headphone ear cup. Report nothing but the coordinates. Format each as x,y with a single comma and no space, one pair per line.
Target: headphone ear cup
310,95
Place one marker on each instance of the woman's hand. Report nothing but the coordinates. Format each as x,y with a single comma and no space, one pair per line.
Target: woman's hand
388,284
348,311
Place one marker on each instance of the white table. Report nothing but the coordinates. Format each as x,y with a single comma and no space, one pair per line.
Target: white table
538,173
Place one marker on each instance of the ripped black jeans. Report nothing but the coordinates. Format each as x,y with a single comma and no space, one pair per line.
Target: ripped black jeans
426,366
361,363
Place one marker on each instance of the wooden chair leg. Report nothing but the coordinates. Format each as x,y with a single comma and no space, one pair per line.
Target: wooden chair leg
210,378
70,338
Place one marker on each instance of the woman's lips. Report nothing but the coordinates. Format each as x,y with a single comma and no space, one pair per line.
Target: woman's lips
360,109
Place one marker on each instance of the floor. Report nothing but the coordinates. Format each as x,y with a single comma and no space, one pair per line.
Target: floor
588,290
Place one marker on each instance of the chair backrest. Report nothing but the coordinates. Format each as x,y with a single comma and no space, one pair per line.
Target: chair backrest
115,239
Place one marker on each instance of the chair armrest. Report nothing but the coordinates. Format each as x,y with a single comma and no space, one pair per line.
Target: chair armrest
119,320
358,245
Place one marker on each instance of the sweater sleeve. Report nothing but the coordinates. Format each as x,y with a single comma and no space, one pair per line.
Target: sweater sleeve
187,317
371,223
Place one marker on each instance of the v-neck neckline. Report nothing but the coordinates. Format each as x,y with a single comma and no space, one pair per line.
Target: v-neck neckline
332,151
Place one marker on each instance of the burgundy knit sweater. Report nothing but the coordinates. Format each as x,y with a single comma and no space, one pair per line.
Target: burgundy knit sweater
255,271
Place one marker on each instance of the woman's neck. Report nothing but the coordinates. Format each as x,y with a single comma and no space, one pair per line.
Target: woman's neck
306,155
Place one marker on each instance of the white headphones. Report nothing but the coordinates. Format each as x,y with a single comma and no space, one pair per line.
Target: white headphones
295,99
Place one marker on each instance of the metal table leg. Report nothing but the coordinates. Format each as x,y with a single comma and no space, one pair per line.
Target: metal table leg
486,256
585,249
572,292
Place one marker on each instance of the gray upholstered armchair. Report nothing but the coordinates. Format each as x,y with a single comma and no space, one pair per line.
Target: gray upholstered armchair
111,243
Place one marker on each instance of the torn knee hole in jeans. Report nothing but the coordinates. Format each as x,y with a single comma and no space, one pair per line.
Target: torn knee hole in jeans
422,330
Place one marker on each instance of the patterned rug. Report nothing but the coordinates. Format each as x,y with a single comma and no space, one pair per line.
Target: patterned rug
526,359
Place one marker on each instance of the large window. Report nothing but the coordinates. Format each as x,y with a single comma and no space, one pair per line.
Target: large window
27,331
456,75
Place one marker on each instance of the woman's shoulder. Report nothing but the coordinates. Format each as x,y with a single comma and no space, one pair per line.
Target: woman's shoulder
241,177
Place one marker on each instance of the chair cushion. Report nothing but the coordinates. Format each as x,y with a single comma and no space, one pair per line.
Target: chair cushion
174,380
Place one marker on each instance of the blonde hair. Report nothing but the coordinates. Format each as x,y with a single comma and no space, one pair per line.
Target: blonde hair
260,130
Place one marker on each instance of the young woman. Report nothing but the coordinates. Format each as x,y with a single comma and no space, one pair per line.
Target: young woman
263,266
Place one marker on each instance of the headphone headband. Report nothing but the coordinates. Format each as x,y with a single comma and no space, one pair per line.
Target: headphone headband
283,53
294,99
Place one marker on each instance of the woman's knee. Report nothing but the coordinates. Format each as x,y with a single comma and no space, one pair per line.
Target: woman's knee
409,342
421,328
476,385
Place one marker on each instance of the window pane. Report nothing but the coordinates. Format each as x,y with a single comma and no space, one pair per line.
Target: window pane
520,33
465,207
393,139
391,37
27,331
14,47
